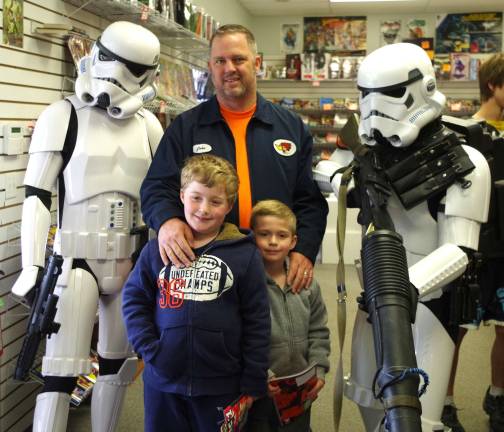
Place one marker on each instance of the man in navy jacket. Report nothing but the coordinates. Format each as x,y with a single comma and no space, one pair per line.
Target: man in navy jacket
277,150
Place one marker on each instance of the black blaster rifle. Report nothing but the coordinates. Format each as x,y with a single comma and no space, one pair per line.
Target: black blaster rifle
389,298
41,322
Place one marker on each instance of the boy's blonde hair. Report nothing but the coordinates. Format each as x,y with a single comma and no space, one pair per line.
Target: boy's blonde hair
273,208
211,171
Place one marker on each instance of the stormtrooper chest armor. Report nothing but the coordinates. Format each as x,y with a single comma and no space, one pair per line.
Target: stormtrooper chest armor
102,185
109,155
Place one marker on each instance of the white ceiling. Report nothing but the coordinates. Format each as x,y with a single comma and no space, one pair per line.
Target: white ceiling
323,7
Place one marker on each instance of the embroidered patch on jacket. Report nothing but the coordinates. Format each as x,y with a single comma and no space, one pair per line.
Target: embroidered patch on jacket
205,280
284,147
201,148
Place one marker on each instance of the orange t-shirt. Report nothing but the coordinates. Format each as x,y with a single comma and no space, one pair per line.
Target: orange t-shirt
237,122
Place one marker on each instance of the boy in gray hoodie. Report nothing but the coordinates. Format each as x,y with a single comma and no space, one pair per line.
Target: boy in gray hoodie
299,333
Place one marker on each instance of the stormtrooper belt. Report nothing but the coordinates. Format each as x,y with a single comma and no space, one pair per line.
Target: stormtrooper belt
428,168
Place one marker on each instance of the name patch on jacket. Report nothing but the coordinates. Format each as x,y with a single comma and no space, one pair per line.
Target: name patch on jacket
284,147
201,148
205,280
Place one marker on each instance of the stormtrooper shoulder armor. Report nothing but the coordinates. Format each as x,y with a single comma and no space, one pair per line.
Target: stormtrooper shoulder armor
471,202
154,129
51,128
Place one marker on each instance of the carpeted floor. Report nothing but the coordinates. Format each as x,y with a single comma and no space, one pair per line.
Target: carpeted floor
472,380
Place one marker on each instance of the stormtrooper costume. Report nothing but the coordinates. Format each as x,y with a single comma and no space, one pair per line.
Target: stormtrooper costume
440,197
96,147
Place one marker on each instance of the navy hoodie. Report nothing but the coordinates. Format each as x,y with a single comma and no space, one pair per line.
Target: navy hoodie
204,329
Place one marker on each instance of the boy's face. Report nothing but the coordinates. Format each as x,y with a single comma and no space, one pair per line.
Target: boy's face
205,208
498,94
273,238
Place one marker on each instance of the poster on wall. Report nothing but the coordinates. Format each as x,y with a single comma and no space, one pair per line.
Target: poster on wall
416,28
335,34
13,23
290,41
472,32
390,32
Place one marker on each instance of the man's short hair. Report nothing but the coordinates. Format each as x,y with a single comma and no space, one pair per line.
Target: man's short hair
273,208
211,171
232,29
491,72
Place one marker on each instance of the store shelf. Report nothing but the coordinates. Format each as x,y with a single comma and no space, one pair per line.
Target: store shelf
324,129
189,47
319,112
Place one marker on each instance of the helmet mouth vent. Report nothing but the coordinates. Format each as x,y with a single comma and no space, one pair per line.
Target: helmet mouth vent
103,100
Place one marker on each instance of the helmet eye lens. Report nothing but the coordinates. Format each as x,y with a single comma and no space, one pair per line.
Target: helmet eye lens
104,57
395,93
137,70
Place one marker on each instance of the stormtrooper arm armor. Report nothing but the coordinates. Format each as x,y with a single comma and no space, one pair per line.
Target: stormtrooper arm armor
465,209
42,171
154,129
328,173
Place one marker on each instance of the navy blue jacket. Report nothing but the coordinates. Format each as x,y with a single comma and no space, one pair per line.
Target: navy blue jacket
205,329
279,150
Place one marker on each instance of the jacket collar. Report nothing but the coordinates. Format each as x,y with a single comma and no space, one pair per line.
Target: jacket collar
210,111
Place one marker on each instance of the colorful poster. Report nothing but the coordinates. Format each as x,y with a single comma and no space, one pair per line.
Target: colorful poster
13,23
290,38
472,32
416,28
390,32
335,34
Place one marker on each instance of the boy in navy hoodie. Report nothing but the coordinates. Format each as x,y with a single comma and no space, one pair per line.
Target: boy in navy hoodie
203,331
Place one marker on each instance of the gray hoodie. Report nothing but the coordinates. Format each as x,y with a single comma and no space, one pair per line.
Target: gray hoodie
299,332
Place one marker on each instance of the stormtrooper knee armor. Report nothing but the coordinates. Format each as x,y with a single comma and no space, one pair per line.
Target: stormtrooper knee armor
440,197
95,147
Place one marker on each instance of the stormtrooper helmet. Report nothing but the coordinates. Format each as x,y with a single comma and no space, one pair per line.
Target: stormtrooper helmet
398,94
119,73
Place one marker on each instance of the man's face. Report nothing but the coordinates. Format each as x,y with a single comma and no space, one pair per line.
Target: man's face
233,67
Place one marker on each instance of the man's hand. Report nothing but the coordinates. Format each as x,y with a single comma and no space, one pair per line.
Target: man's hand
314,391
300,272
175,239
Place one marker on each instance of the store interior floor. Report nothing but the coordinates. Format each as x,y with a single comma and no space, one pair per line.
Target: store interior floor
472,380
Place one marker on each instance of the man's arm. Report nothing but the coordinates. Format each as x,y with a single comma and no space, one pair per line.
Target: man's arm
310,208
160,198
160,189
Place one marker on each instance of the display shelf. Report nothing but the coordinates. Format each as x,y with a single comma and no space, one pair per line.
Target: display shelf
189,46
324,129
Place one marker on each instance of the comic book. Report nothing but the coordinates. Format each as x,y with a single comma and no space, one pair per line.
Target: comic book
235,415
291,401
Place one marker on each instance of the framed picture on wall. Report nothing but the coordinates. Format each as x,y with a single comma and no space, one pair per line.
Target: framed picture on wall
472,32
335,34
290,38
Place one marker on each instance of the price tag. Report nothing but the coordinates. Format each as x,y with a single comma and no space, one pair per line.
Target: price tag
316,83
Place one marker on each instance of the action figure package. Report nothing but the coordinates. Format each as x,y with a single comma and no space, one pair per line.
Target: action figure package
293,66
334,67
307,66
460,63
235,415
321,66
292,401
